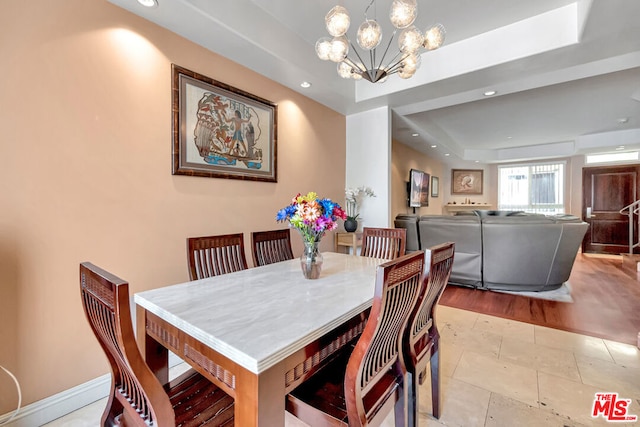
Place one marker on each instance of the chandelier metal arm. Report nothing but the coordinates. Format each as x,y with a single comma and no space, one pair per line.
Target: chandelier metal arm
367,9
394,67
385,51
353,49
372,61
355,65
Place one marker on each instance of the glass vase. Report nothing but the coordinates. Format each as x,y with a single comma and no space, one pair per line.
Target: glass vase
311,260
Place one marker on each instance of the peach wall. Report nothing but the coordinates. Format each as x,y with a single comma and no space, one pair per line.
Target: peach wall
86,175
403,159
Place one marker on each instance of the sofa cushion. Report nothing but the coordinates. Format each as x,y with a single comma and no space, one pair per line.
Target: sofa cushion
483,213
515,220
564,218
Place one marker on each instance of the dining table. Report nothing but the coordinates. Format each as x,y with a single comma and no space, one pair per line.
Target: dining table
259,332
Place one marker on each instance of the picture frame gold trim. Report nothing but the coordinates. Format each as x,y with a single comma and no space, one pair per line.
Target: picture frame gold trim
466,181
220,131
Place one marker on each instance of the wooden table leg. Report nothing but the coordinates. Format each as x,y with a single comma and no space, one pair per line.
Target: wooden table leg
155,354
260,399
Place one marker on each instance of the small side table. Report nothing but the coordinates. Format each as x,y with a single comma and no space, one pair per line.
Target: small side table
352,241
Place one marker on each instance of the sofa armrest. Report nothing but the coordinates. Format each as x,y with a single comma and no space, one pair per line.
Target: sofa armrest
465,231
410,223
572,235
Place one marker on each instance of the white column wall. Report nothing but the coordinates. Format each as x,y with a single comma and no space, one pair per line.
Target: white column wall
369,163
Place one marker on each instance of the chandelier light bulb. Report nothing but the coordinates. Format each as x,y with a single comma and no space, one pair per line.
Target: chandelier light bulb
369,34
410,40
357,71
434,37
339,49
345,70
409,66
406,73
337,21
412,62
403,13
323,48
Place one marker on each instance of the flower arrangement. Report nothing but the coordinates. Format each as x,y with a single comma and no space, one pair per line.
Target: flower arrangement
353,197
311,216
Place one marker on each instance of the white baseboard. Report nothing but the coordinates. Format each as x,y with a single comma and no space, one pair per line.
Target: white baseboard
65,402
58,405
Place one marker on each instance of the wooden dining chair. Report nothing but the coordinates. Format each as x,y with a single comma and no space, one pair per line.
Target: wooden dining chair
421,340
215,255
385,243
362,387
271,246
136,397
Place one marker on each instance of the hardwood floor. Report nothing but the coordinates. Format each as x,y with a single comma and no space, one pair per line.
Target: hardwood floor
606,302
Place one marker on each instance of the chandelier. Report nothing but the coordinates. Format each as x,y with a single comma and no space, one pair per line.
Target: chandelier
404,62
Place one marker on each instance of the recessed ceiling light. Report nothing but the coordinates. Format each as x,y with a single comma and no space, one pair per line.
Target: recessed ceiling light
434,146
623,120
620,147
415,134
477,161
305,84
446,154
148,3
509,137
490,93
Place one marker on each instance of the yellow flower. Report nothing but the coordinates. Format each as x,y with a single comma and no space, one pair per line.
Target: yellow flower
310,197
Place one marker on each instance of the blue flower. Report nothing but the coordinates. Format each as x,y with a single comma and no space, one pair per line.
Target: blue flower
285,213
327,207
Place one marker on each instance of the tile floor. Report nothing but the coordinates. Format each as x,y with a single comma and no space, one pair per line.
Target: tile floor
498,372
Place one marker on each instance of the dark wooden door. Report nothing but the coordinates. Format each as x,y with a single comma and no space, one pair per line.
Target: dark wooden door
605,191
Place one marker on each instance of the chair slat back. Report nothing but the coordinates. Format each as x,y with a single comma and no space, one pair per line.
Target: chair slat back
271,246
105,299
383,243
215,255
422,324
376,364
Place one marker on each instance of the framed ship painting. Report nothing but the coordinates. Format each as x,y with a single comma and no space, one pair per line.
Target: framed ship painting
220,131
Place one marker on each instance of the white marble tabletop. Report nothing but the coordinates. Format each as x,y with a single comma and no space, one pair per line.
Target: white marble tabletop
258,317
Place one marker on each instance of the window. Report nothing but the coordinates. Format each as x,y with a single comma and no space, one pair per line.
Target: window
535,188
612,157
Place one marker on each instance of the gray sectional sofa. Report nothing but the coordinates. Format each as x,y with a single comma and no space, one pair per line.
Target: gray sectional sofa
503,251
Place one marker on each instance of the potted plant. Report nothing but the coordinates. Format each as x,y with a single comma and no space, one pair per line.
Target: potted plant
353,198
